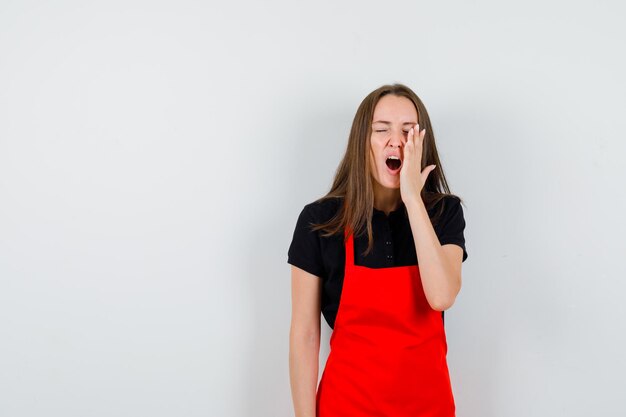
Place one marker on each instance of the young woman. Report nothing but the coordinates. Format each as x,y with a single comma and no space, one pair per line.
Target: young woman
380,257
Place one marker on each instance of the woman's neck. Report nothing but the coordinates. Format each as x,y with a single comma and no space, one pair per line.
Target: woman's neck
386,199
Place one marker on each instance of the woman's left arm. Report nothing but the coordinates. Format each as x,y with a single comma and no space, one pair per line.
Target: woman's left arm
439,265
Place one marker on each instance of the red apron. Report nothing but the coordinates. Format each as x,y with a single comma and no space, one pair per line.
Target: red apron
387,350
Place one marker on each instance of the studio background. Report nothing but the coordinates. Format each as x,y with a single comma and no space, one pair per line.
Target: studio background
154,157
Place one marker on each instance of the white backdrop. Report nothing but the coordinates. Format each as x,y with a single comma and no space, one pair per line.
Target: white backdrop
154,157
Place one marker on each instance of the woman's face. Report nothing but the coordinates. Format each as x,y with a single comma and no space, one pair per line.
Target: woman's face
393,117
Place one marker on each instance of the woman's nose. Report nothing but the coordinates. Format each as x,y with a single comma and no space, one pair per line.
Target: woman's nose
398,138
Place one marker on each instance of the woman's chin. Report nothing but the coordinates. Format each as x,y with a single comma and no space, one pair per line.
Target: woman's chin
392,181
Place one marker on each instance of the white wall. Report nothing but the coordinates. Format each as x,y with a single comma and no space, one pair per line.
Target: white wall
154,157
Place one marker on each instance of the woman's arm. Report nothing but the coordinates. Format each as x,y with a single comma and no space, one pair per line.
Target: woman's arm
439,266
304,340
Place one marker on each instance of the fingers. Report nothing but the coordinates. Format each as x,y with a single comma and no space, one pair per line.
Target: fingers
422,133
412,135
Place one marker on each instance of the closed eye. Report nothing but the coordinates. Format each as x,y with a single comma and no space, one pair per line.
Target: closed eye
384,130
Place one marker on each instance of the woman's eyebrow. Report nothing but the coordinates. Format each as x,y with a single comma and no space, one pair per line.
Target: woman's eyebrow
388,123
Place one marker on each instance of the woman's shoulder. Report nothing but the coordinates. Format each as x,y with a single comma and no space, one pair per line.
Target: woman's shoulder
308,250
444,199
445,206
322,209
444,202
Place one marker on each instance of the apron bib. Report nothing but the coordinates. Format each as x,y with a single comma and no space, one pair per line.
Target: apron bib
387,350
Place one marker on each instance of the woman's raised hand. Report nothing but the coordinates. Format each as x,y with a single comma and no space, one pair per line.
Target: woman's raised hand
412,179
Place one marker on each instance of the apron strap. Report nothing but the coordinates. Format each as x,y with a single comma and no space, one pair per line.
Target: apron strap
349,246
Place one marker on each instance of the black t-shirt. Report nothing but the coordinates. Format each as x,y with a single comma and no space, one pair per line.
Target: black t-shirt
393,244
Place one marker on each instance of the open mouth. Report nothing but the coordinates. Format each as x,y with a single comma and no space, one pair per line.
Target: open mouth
393,163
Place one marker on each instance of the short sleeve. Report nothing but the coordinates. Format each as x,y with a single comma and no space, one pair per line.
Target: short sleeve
452,224
305,249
